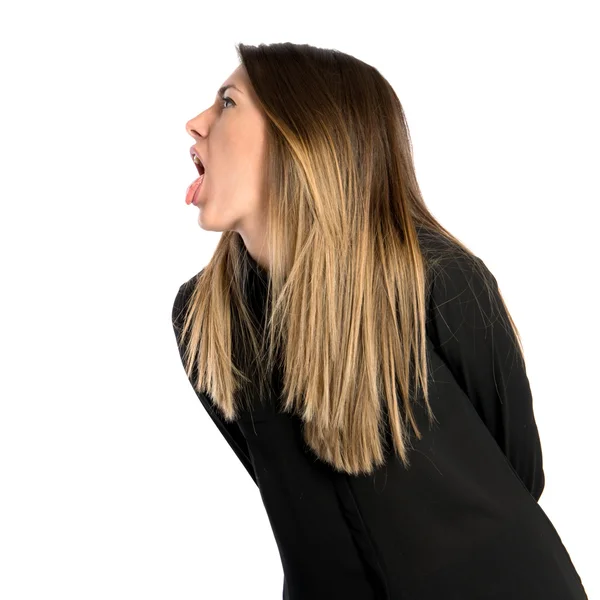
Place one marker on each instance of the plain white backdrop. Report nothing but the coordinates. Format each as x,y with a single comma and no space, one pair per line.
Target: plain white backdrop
114,481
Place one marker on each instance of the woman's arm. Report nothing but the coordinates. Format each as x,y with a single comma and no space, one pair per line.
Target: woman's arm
230,431
470,330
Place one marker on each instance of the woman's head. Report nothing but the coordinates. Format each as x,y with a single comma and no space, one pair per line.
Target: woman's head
334,213
230,139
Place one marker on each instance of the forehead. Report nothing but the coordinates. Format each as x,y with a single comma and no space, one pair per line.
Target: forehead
238,78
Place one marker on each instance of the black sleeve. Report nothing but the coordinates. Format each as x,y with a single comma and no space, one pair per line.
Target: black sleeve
230,431
469,329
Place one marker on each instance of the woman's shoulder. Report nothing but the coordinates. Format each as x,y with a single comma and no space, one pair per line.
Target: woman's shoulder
453,271
440,251
182,296
436,245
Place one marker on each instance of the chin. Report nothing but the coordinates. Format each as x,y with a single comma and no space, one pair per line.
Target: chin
209,225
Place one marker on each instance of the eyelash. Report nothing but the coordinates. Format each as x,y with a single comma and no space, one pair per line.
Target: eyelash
225,98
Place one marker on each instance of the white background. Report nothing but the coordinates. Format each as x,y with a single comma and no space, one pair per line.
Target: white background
114,481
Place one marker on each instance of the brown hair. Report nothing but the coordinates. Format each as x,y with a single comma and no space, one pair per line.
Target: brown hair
347,282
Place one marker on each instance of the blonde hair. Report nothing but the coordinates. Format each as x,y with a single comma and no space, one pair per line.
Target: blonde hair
347,284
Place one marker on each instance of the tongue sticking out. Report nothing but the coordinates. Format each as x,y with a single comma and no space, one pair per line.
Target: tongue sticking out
192,189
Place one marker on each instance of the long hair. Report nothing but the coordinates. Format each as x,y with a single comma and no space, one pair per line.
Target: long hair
346,289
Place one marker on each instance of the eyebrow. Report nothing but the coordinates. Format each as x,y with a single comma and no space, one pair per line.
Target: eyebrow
225,87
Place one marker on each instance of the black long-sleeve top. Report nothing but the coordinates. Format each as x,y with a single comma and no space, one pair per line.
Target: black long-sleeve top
463,522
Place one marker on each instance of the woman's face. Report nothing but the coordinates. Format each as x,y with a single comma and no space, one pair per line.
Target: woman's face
230,138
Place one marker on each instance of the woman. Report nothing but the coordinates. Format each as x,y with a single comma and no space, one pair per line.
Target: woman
396,451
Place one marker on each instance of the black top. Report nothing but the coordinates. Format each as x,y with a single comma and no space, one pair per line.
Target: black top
463,522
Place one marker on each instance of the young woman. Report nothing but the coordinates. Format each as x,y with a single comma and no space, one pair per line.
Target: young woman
357,357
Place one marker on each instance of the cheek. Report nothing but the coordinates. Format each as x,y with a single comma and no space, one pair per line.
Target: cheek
243,189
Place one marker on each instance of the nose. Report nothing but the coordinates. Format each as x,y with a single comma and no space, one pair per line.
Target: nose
189,127
200,121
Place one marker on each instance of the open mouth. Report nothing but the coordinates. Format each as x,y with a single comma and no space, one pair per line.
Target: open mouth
199,166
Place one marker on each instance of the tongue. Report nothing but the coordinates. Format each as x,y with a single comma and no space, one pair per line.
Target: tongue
190,192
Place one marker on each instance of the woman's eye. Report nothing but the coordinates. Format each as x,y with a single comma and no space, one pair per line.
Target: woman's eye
225,99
